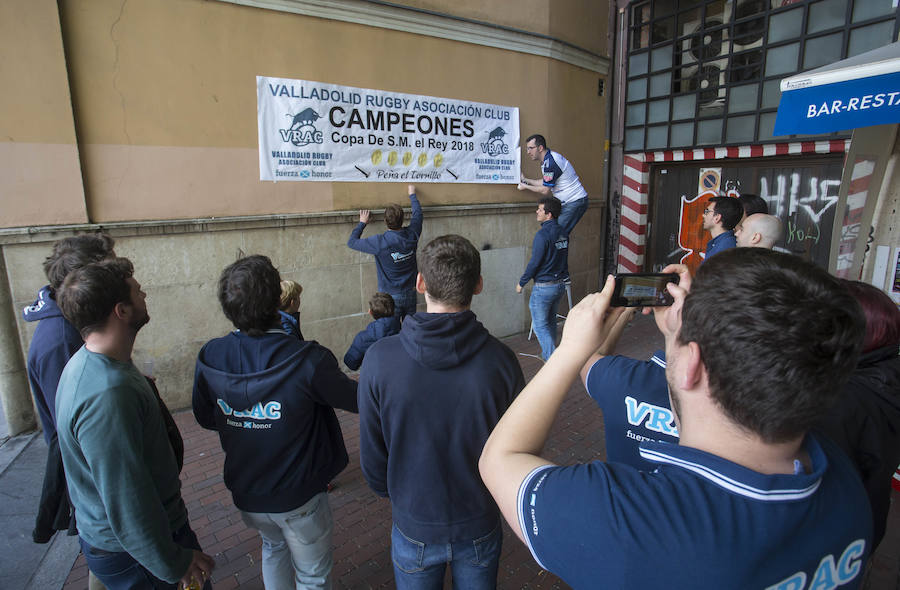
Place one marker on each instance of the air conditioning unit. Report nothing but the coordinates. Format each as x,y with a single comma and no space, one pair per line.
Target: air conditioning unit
716,52
748,30
704,59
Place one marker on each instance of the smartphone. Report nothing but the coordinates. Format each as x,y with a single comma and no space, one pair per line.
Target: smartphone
643,289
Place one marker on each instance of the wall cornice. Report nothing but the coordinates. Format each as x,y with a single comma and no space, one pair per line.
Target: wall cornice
433,24
120,229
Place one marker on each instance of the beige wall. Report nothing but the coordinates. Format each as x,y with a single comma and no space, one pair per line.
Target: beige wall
580,22
40,176
167,107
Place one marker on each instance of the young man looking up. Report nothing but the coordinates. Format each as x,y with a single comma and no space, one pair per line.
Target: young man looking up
120,467
746,485
428,398
270,396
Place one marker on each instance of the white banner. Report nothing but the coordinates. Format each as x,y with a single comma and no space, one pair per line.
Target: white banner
315,131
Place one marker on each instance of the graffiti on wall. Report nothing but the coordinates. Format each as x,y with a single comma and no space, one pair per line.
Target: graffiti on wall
804,199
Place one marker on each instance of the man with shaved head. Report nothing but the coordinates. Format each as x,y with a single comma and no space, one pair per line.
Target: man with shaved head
758,231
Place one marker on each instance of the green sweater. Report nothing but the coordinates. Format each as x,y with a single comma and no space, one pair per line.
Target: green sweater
120,467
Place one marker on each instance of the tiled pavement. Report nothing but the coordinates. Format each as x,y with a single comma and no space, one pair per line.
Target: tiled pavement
363,520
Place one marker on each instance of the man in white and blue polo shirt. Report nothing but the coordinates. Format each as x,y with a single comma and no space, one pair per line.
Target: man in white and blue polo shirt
559,178
747,499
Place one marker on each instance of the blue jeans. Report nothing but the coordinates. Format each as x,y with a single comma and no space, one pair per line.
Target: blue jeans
420,566
544,304
572,214
404,303
296,545
120,571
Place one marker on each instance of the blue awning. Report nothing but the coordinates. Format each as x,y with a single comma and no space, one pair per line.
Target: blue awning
856,92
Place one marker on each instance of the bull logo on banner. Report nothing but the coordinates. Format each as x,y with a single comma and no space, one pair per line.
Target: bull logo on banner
302,130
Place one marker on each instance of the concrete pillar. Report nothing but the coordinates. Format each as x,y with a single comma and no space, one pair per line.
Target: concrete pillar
14,392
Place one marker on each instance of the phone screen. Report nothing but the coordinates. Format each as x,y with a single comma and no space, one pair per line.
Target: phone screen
643,289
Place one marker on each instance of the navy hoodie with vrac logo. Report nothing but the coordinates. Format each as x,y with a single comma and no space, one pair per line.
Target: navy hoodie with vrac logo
428,399
271,399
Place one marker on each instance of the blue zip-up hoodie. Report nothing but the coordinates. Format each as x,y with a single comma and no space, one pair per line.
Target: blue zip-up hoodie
428,399
549,255
394,250
55,341
374,332
271,399
290,323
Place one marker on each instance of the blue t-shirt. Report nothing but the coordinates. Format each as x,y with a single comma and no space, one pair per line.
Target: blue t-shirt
634,398
699,521
561,177
723,241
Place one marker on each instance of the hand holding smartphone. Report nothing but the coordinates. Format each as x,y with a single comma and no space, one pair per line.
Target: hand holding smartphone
643,289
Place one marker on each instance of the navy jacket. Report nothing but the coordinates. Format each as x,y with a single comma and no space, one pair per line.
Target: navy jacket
55,341
271,399
428,399
290,323
374,332
549,255
394,250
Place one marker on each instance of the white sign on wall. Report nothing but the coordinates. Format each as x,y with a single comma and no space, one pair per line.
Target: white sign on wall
310,131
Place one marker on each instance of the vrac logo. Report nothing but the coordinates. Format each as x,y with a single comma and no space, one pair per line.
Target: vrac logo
302,131
260,411
495,146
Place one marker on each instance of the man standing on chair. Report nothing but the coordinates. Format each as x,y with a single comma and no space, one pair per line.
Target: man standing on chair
558,178
549,267
394,251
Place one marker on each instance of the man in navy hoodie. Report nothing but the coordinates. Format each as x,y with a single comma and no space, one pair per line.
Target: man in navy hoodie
55,341
394,251
549,267
428,399
271,398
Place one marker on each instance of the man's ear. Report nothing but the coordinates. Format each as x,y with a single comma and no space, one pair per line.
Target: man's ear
420,283
479,286
122,310
694,369
755,238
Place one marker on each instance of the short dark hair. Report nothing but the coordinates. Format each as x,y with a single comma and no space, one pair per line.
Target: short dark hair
538,140
381,305
393,216
753,204
882,315
249,292
90,293
778,337
552,205
75,252
451,267
729,208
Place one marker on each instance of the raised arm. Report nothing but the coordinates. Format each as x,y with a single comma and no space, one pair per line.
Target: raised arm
609,345
512,450
415,224
356,242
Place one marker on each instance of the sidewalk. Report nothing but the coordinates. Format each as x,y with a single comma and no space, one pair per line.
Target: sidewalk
362,520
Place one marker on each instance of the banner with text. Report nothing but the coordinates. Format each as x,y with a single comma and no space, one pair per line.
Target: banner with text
315,131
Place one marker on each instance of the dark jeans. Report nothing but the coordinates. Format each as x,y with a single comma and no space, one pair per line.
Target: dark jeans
420,566
120,571
404,303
